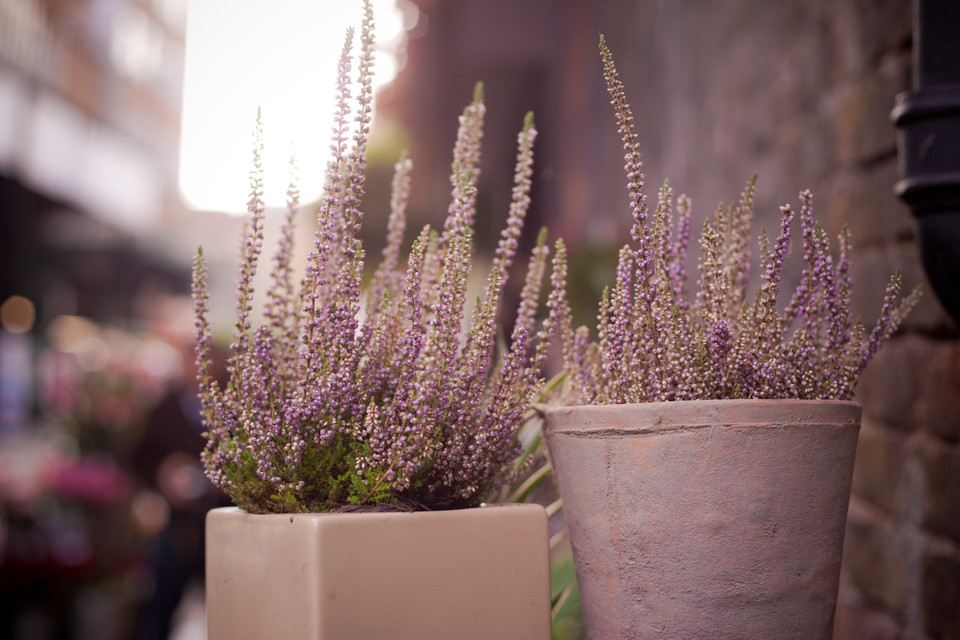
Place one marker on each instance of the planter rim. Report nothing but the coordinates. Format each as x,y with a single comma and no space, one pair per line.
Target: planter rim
650,417
485,508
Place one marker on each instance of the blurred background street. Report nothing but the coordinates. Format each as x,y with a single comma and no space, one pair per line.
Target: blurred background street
125,144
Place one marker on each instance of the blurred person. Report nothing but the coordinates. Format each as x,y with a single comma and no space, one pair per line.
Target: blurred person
175,500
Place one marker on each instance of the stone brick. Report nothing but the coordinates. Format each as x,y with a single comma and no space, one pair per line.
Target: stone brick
941,465
878,471
863,31
876,562
914,383
941,596
860,118
858,622
884,26
938,403
888,386
870,271
865,202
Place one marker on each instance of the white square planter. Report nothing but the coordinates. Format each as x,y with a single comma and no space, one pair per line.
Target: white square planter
470,573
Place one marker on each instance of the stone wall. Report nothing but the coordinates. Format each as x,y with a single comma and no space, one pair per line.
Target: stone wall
799,91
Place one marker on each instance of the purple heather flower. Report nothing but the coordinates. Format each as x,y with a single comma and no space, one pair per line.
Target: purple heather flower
653,345
386,281
530,294
390,396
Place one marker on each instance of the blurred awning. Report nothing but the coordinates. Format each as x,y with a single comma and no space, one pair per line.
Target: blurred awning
59,151
68,262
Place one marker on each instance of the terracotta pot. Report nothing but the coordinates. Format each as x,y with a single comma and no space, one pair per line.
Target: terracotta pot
470,573
706,519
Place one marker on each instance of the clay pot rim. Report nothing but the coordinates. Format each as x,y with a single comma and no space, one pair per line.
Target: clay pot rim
482,510
690,414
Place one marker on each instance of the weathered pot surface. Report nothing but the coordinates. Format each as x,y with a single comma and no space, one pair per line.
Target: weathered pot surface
719,519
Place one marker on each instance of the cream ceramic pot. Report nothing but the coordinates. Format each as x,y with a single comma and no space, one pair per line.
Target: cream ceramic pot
471,573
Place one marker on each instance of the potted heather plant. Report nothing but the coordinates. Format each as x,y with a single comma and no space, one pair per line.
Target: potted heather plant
705,468
361,428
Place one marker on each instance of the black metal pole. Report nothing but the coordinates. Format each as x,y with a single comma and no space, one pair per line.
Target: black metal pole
928,119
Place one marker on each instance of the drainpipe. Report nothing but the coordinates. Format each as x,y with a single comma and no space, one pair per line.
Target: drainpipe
928,145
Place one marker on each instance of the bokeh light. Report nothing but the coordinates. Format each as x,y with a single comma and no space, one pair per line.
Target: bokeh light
17,314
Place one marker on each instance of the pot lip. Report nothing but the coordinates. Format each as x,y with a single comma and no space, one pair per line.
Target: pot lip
689,403
691,414
482,510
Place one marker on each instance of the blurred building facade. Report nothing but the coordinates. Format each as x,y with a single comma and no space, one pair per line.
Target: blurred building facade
799,91
90,100
90,96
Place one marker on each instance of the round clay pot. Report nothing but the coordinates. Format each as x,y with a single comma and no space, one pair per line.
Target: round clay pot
706,519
